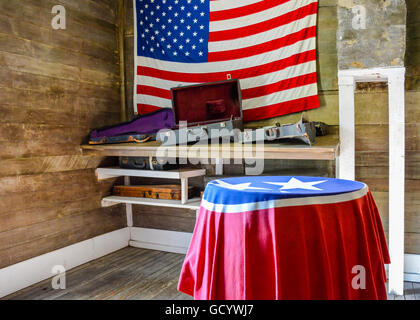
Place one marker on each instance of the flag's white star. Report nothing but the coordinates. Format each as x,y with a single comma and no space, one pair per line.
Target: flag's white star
294,183
241,186
202,14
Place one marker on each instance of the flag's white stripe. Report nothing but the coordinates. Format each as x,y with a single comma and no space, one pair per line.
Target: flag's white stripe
259,16
267,100
154,101
230,4
230,65
267,36
281,203
281,96
265,79
273,77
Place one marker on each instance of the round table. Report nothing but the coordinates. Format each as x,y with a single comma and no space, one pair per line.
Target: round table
284,237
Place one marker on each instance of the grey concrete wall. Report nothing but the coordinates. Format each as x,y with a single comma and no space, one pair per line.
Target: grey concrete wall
371,33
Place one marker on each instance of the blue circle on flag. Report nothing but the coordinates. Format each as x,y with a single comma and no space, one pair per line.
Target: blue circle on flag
262,188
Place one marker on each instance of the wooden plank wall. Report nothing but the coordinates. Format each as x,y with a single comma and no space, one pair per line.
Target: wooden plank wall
55,85
371,125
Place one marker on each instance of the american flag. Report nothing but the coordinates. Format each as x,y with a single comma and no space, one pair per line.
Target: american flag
269,45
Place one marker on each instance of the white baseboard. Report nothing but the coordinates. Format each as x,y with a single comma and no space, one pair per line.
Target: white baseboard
26,273
163,240
412,267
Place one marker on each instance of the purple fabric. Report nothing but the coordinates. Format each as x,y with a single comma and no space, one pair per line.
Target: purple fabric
146,124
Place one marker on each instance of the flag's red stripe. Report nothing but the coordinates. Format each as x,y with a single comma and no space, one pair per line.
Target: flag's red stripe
263,47
264,25
153,91
146,108
235,74
261,113
246,93
244,10
279,86
280,109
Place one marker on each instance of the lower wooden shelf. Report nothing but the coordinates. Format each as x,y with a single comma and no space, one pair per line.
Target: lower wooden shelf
192,204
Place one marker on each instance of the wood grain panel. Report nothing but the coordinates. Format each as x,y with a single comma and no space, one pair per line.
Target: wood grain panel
31,241
55,86
174,219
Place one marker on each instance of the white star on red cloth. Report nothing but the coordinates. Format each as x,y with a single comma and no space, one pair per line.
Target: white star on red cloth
294,183
240,186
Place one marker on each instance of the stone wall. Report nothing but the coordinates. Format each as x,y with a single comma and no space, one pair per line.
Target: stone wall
371,33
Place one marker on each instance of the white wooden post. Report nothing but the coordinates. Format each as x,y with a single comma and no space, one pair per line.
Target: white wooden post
346,160
396,181
128,206
395,78
184,190
219,167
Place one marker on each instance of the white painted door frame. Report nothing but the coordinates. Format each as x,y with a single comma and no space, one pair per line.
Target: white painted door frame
346,163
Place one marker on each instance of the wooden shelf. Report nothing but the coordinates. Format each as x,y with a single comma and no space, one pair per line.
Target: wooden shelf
112,172
182,174
325,148
192,204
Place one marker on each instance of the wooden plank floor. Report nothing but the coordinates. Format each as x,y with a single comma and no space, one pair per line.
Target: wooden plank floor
133,273
130,273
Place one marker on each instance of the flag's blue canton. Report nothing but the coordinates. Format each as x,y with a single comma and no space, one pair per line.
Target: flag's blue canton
173,30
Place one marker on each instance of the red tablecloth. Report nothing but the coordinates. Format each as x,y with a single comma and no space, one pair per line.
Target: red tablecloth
288,251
